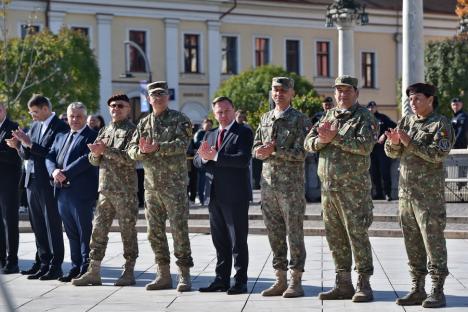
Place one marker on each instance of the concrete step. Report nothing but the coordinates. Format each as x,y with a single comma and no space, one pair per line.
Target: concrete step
311,228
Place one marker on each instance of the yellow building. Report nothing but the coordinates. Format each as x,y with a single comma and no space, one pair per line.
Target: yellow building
196,44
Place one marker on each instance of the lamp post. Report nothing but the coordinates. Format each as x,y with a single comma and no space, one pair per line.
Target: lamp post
127,73
346,13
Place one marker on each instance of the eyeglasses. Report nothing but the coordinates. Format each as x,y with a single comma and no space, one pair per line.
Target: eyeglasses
158,94
120,106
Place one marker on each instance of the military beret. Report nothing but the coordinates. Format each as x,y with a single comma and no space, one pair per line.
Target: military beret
118,97
424,88
158,86
284,82
346,80
455,99
371,104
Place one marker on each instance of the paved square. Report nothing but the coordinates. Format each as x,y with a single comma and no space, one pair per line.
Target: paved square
390,278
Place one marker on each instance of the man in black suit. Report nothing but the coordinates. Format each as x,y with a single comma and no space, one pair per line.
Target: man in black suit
75,183
225,155
43,213
10,168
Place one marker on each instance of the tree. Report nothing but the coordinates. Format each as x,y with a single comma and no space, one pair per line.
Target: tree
62,67
249,92
447,68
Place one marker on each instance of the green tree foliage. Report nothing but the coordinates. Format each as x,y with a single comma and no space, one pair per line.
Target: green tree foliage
249,92
62,67
447,68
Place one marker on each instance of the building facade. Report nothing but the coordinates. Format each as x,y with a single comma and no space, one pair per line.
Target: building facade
196,44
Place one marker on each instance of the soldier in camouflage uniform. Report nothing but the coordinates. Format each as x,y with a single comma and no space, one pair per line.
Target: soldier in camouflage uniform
117,193
422,141
279,142
160,142
345,137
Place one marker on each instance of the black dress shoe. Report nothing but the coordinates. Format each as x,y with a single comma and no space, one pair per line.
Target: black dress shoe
53,274
10,268
388,198
33,270
237,289
217,285
74,273
42,271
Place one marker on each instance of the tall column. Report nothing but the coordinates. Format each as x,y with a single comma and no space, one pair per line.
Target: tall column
413,48
56,21
172,59
397,37
345,48
214,57
104,49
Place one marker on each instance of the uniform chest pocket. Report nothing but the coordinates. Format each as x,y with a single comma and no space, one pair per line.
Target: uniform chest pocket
119,140
267,132
424,136
166,132
285,137
106,138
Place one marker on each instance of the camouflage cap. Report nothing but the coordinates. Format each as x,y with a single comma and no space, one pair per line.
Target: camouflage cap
346,80
159,86
284,82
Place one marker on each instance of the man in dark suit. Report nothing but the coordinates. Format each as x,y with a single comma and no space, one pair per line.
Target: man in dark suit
10,168
75,183
43,213
225,155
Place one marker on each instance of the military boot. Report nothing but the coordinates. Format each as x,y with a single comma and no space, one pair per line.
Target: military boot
163,279
343,289
280,285
91,277
127,278
185,282
295,285
363,289
437,298
417,294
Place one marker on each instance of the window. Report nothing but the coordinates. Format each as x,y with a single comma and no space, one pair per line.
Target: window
262,51
229,55
323,59
137,61
82,30
192,53
368,69
293,56
29,30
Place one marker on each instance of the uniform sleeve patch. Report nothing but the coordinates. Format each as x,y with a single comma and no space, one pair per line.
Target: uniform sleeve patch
444,144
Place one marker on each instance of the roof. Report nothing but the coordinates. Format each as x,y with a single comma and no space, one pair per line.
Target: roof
430,6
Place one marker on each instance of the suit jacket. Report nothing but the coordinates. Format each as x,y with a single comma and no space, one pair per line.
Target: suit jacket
10,162
83,176
229,175
40,148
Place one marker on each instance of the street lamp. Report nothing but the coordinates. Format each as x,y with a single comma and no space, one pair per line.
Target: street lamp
127,73
346,13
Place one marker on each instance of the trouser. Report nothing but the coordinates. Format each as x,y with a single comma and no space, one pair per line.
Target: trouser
229,225
45,223
347,216
110,204
423,222
160,206
9,206
283,214
77,217
380,171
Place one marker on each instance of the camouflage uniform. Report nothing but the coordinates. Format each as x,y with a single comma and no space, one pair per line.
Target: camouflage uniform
421,190
166,183
344,172
282,185
117,191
